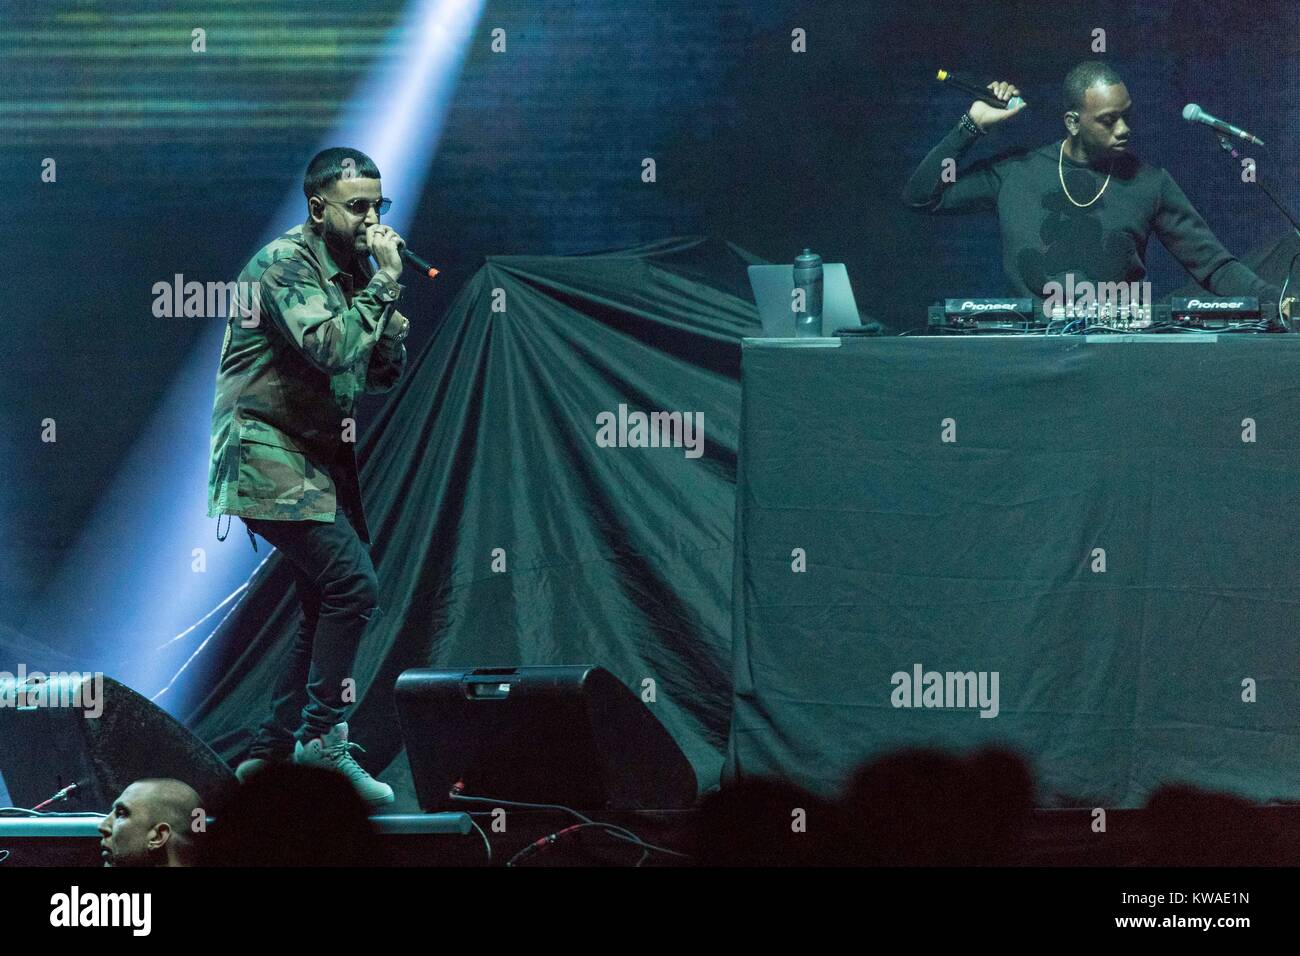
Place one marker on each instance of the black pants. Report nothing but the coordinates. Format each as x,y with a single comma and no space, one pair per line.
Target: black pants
339,592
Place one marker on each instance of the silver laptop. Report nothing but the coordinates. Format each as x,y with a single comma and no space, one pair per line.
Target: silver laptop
774,285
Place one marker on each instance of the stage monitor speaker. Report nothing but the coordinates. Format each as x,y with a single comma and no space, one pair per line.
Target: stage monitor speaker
569,735
46,745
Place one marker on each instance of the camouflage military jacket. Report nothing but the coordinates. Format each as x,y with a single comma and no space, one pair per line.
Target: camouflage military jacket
292,366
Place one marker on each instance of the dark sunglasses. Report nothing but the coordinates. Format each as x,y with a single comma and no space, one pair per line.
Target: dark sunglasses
361,206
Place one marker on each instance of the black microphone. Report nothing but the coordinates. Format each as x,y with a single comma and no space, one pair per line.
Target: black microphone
977,91
411,259
1194,114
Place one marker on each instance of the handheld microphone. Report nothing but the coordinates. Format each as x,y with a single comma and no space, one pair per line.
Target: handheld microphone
1194,114
411,259
977,91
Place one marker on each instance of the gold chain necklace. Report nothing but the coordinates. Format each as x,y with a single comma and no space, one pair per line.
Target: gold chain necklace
1060,172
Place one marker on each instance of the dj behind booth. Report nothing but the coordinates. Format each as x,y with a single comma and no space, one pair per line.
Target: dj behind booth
1076,214
1063,521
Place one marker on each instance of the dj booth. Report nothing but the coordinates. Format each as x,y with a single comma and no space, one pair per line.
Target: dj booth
1093,541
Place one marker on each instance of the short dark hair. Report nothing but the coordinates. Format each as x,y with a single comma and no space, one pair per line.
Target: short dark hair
1084,77
329,164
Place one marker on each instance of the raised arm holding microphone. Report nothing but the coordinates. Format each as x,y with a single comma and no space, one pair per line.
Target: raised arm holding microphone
1083,206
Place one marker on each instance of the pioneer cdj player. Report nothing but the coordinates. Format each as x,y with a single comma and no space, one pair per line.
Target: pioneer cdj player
1009,316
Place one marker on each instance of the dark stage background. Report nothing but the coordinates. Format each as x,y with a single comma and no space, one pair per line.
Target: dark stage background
169,162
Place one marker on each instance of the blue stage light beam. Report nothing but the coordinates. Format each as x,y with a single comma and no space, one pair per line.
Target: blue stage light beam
128,587
398,116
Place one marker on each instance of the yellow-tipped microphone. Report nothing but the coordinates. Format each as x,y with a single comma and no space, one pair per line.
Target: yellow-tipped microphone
416,262
979,92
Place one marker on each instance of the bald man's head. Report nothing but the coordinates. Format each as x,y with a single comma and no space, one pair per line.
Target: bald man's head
150,824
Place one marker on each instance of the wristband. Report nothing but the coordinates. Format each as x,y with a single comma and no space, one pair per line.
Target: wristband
970,125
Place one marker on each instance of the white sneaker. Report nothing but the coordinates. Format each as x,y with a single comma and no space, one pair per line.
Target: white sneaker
249,767
332,753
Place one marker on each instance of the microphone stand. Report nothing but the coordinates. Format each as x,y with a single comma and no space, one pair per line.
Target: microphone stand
1229,148
1295,225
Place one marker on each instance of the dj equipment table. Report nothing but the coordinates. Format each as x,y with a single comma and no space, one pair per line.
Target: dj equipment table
1095,541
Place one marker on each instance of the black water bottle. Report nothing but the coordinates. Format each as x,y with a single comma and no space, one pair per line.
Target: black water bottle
808,278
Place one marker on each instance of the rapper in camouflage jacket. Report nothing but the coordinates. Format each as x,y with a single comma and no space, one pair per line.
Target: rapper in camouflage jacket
292,365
